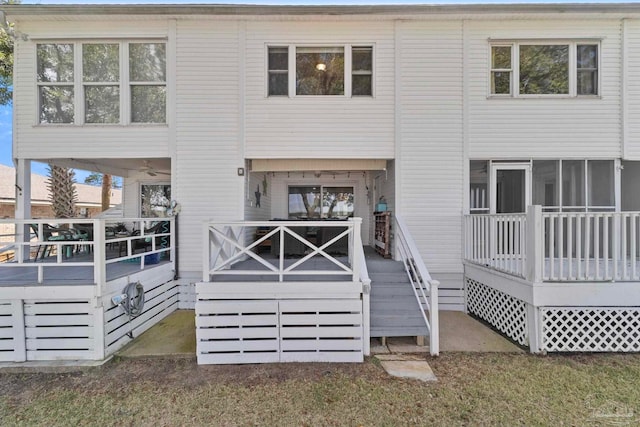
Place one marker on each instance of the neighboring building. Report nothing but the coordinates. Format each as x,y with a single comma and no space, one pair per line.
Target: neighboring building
461,117
88,204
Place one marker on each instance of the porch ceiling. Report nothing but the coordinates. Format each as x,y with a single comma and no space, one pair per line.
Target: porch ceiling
299,165
118,167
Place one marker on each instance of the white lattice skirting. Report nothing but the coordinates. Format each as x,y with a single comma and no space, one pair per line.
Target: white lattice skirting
506,313
590,329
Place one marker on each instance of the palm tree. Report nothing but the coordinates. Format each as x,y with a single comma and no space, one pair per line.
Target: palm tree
62,191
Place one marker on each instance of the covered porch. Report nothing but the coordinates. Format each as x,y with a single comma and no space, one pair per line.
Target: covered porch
556,282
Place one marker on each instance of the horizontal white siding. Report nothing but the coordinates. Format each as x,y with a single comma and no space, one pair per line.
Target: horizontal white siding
207,147
544,128
88,141
319,126
429,164
632,93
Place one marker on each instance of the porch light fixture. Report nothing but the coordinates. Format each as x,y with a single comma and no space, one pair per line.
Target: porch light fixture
321,66
240,171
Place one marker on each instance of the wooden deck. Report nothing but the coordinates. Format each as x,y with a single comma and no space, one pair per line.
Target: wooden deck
56,274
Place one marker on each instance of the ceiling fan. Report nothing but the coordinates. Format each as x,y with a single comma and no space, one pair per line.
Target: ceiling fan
150,170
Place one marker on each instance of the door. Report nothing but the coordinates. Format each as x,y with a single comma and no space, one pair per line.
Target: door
510,194
510,187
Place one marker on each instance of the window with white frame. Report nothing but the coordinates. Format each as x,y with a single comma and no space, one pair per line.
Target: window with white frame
320,70
544,68
114,77
55,79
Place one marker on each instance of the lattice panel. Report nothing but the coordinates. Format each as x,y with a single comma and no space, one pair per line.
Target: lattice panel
506,313
590,329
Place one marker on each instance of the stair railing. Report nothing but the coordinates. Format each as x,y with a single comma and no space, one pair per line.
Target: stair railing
424,287
363,275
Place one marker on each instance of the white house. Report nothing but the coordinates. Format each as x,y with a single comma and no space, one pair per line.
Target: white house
504,139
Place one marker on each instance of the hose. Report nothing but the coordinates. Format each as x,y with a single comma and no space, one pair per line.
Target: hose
134,303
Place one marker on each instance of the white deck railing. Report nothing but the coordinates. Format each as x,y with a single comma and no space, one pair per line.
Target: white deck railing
230,242
496,241
41,244
551,246
424,287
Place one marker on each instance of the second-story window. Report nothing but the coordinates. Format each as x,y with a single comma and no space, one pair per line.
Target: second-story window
148,79
101,80
544,69
320,70
55,83
114,77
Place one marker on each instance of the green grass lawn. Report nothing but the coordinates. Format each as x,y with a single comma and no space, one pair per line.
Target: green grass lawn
472,389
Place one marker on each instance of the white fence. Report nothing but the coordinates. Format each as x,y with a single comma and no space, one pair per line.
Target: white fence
576,246
49,245
496,241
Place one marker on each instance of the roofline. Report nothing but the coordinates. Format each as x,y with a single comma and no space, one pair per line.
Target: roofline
231,10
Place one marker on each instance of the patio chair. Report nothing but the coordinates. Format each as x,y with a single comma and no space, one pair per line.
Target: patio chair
157,228
51,234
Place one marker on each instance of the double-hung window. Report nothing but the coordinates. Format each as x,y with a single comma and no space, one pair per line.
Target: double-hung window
342,70
95,82
521,69
55,77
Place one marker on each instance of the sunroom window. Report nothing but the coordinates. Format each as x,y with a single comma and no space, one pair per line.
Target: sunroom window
278,71
102,88
55,83
320,71
101,77
147,74
544,69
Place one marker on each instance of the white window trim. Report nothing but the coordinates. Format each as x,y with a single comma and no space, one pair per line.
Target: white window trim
78,82
515,67
348,72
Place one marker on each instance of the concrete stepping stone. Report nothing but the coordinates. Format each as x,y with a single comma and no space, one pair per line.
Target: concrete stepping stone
406,366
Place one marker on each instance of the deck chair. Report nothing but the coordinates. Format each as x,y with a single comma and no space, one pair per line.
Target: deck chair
50,234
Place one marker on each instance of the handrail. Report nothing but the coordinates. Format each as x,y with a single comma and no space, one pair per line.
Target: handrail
424,287
366,291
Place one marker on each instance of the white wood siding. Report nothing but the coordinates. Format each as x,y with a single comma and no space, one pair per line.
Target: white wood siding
88,141
208,150
543,127
429,164
632,92
319,126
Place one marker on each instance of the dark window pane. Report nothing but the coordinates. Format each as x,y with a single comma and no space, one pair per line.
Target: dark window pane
587,56
545,182
156,199
278,58
573,183
56,104
304,202
601,185
337,202
148,104
101,63
320,71
102,104
501,82
587,82
278,84
478,185
361,85
147,62
501,57
362,58
55,62
544,69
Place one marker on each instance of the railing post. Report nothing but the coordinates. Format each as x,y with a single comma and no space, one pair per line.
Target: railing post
206,252
534,245
434,319
99,255
354,240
